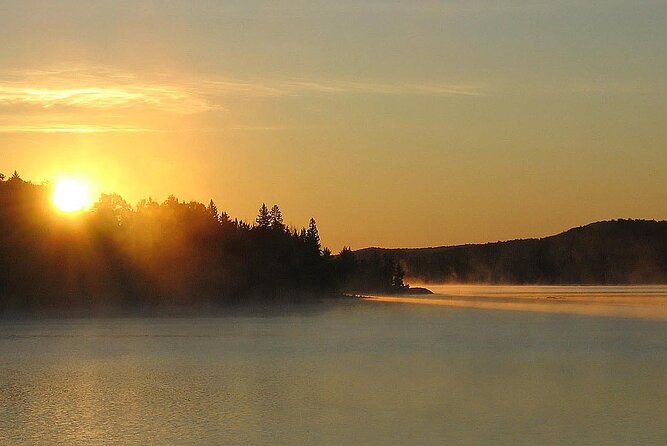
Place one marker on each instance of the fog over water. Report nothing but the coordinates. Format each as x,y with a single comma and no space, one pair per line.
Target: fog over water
640,301
351,372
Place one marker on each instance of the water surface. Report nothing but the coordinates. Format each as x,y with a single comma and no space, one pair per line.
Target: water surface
354,372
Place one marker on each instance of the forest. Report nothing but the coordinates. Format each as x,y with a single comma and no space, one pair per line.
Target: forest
172,253
616,252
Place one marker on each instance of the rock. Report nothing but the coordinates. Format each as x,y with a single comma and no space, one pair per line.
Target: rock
417,290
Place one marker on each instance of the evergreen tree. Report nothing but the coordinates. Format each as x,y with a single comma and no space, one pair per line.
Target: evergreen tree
346,267
397,280
224,218
15,177
313,235
212,210
276,217
263,219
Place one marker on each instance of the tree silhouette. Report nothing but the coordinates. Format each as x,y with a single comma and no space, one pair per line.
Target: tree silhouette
224,218
312,235
171,201
112,208
276,218
397,282
153,254
212,209
263,219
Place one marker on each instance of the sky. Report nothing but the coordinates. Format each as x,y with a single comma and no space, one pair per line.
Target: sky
393,123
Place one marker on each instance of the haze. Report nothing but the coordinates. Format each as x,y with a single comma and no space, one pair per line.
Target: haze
393,123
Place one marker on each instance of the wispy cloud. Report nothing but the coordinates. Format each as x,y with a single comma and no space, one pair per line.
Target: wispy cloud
68,96
95,88
71,128
103,97
104,88
299,87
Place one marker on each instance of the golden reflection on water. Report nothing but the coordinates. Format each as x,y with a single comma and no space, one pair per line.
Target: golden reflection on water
349,372
643,302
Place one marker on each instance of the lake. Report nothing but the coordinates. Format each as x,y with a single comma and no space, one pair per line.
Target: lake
467,366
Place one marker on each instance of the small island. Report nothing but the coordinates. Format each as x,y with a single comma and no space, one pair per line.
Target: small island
416,290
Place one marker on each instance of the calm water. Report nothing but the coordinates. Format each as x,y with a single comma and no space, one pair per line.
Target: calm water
358,373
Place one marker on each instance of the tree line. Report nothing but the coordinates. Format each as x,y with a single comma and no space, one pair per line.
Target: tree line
608,252
169,253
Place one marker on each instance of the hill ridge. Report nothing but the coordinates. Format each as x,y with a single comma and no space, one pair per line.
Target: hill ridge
608,251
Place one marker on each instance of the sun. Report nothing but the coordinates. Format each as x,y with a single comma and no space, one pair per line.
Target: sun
72,195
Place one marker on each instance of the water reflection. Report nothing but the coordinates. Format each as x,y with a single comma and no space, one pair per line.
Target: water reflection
350,373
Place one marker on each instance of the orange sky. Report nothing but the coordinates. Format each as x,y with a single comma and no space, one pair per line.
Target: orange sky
392,124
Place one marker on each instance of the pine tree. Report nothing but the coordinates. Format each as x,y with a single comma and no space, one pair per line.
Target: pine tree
263,219
346,265
276,218
397,281
224,218
313,235
212,209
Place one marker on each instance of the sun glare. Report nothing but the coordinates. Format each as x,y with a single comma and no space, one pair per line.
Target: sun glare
72,195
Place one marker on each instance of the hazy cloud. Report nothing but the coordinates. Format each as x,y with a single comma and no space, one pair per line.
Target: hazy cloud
70,128
108,88
95,88
64,93
300,87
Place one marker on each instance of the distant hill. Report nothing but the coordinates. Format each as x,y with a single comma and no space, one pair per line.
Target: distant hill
607,252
